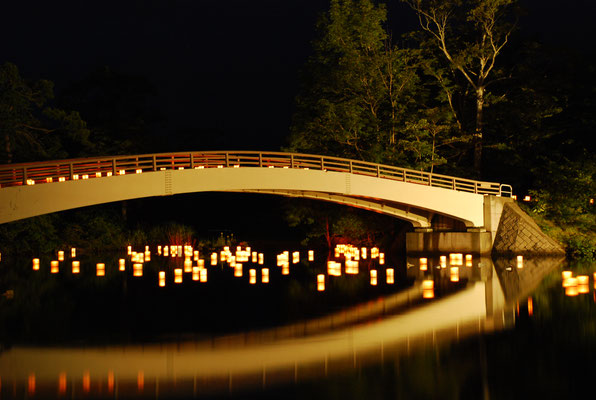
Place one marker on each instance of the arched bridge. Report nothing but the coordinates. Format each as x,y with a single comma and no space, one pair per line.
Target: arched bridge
32,189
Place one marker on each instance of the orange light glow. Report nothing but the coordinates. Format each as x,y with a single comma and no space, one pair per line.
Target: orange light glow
423,264
196,273
567,274
363,253
98,174
141,381
530,306
187,265
583,279
428,284
139,171
162,278
468,260
255,257
178,275
85,176
166,251
381,258
295,257
320,282
62,179
159,250
54,267
121,264
443,261
571,291
454,274
86,382
238,270
374,252
520,261
261,259
60,255
428,293
583,289
137,269
203,275
252,276
73,252
311,255
76,267
100,269
62,383
373,277
390,276
31,384
36,264
265,275
129,250
110,381
569,282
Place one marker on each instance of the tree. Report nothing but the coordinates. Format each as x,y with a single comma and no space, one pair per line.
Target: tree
361,95
469,36
29,128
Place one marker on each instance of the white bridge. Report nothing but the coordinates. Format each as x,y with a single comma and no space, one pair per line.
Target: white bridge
32,189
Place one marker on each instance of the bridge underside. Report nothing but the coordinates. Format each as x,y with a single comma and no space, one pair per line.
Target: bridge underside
414,203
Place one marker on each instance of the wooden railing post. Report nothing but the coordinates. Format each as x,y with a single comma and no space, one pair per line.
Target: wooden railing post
70,171
260,160
351,167
113,166
378,171
292,161
322,163
154,159
192,164
24,175
227,159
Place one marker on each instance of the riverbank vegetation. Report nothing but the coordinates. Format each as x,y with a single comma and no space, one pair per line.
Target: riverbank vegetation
470,92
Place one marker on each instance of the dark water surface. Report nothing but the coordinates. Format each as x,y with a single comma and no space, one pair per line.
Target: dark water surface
492,329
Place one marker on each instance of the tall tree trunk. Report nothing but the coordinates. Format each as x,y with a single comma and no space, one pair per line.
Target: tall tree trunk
478,132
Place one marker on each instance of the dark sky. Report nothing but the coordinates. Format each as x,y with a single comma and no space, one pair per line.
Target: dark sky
218,65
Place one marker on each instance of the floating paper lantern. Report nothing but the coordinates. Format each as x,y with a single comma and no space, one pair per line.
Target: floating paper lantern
137,269
454,274
98,174
373,277
109,173
381,258
162,278
295,257
49,180
252,276
139,171
76,267
159,250
311,255
36,264
213,258
428,284
569,282
583,279
73,252
571,291
187,265
423,264
567,274
390,276
196,273
129,250
374,252
443,261
178,275
54,267
203,275
520,261
261,259
121,172
75,177
121,264
62,179
237,270
265,275
255,257
85,176
147,256
321,282
583,289
60,255
195,255
285,269
456,259
363,253
468,260
166,251
100,269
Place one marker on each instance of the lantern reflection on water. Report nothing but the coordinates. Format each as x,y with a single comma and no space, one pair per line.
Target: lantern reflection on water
583,279
320,282
390,276
178,275
36,264
76,267
54,267
100,269
62,383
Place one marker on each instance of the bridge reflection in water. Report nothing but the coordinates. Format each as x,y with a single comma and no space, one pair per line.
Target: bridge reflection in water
371,333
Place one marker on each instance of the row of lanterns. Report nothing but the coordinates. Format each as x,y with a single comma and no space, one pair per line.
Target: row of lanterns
575,285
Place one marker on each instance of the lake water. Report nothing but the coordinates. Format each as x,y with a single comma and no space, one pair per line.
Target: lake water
444,327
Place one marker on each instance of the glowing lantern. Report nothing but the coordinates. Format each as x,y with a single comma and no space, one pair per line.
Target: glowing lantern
100,269
320,282
121,172
75,177
373,277
129,250
468,260
98,174
443,261
61,255
36,264
456,259
76,267
162,278
238,270
374,252
265,275
337,253
187,265
196,255
520,261
252,276
583,279
203,275
295,257
232,261
109,173
255,257
54,267
213,258
261,259
311,255
147,256
178,275
285,269
363,253
62,179
73,252
390,276
454,274
139,171
567,274
121,264
159,250
201,263
571,291
428,284
85,176
32,182
195,273
569,282
381,258
49,180
583,289
423,264
137,269
166,251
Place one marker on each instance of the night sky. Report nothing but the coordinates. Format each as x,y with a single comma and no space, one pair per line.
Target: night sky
219,67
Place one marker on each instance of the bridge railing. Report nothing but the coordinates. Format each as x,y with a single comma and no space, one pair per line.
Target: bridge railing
100,167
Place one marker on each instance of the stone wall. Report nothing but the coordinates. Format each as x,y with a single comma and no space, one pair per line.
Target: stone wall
518,234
